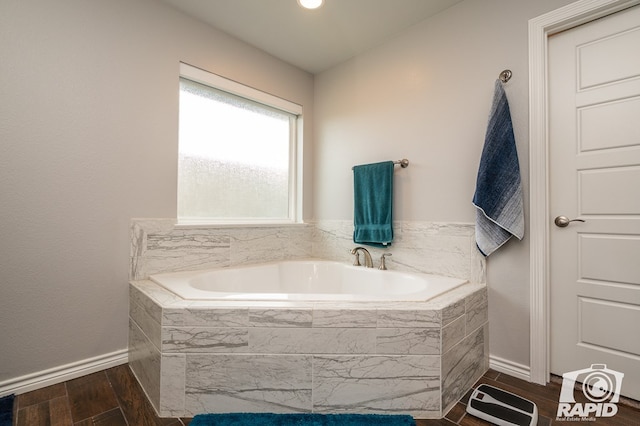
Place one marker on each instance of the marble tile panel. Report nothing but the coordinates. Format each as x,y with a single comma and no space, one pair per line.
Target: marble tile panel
151,225
478,264
420,246
312,340
144,360
158,263
477,310
476,299
377,384
434,254
206,316
443,248
286,317
453,333
157,246
453,312
178,242
462,365
437,228
156,296
248,383
147,325
204,339
267,244
137,297
361,318
451,297
336,229
138,241
172,379
342,230
408,318
408,341
332,240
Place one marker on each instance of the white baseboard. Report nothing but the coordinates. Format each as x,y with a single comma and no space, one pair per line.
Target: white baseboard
509,367
63,373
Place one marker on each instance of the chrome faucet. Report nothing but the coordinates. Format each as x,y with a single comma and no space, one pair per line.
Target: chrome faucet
368,262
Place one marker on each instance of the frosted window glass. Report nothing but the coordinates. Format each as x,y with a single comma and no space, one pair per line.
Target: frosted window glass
233,157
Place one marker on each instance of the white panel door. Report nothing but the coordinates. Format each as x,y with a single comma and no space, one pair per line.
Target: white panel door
594,158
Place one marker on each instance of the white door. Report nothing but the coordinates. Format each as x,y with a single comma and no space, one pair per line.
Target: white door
594,158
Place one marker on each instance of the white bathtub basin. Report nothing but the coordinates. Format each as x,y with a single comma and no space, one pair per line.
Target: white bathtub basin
309,280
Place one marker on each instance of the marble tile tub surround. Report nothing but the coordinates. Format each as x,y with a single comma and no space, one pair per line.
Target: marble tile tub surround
439,248
158,245
410,357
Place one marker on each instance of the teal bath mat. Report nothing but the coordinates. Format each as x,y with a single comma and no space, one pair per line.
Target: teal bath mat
268,419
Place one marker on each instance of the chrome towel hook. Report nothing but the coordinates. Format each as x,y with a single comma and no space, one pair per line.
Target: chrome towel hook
505,76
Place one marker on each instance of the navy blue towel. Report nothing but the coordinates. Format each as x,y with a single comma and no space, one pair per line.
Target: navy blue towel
373,202
6,410
498,196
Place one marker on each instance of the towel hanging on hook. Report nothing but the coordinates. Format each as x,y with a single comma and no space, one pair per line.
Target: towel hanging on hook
505,76
498,196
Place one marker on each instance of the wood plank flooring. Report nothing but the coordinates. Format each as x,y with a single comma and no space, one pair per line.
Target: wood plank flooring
113,397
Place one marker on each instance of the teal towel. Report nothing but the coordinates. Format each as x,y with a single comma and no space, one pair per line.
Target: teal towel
373,201
294,419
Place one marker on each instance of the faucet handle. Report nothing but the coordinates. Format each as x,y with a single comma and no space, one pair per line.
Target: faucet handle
356,261
383,265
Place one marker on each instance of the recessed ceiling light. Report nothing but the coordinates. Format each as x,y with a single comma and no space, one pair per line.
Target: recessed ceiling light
310,4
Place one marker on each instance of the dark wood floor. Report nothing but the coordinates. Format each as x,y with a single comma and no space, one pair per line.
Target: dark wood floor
545,397
114,398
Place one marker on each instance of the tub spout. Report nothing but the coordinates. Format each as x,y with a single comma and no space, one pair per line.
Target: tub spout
368,262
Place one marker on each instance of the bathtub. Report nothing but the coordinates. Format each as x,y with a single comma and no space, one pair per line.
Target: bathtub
310,280
306,336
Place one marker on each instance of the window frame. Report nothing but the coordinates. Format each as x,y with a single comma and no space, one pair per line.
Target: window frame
218,82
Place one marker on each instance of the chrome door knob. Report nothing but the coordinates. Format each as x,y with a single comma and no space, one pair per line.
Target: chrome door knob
563,221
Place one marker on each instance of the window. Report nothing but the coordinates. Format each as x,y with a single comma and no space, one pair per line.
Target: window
237,152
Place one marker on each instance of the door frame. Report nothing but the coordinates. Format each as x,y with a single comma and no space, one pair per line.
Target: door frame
540,29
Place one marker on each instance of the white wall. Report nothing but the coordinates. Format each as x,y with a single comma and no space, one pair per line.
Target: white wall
88,127
88,140
425,95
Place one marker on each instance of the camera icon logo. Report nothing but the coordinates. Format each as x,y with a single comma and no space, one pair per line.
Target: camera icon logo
599,385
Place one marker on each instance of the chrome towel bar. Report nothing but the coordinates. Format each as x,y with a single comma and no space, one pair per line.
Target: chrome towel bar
404,163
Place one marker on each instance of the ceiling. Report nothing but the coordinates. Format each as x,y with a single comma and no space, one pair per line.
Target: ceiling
313,40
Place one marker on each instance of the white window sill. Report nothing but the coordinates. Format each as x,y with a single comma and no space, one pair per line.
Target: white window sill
238,224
